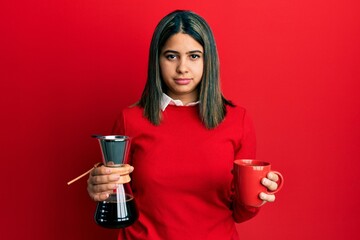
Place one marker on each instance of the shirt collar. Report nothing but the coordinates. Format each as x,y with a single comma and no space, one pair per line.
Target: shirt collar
166,101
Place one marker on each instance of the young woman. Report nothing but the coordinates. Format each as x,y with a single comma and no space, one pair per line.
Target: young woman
185,137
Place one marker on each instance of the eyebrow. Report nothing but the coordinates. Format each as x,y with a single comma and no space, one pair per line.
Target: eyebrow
189,52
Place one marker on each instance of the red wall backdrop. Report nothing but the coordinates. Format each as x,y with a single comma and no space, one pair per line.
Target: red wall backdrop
69,66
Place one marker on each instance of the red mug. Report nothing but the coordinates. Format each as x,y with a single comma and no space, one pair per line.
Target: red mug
248,174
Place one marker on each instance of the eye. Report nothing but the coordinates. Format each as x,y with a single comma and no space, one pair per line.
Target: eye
194,56
170,56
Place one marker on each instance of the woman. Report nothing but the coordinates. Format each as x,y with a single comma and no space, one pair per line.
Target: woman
185,137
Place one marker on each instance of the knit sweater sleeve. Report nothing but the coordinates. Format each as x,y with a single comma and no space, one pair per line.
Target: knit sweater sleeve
247,150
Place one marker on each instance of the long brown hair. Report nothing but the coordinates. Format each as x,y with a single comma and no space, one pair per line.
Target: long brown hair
212,109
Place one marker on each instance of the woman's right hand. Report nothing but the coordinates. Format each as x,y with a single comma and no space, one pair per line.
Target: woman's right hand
103,180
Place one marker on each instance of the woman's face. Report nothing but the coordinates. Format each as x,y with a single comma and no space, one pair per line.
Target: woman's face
182,65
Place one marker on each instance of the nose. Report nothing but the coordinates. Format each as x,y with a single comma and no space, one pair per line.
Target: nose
182,66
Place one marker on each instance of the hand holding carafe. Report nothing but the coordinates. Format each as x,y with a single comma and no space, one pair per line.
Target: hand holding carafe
103,180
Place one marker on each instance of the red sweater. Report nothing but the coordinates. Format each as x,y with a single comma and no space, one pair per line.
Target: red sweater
182,174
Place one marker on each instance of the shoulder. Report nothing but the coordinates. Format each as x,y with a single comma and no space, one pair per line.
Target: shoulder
235,110
128,118
133,115
132,109
238,115
131,112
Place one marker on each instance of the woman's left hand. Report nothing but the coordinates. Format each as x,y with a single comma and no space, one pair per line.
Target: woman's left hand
270,183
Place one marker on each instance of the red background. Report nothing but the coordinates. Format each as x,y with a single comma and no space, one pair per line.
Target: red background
68,67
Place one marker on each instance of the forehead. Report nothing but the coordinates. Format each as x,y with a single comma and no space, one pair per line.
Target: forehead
182,42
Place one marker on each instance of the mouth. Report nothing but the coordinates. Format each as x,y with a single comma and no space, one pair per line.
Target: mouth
182,81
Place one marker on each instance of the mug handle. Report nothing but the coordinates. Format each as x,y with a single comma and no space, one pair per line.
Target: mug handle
280,182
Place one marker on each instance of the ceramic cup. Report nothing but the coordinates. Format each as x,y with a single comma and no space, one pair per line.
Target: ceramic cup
248,174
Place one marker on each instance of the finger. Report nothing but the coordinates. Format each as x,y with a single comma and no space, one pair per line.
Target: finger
96,196
123,179
101,192
106,179
100,196
273,176
102,188
103,179
102,170
267,197
271,185
123,170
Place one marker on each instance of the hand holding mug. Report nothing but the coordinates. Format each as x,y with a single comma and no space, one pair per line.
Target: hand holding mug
270,182
255,183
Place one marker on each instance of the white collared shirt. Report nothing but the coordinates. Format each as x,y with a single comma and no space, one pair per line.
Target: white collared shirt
166,101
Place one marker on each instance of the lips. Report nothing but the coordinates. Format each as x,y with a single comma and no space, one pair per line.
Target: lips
182,81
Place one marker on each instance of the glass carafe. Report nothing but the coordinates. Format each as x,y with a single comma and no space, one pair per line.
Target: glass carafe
119,210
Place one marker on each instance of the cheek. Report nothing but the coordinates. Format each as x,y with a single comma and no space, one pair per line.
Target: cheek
165,69
199,70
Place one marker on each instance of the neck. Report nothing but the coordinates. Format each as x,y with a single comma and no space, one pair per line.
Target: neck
185,98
